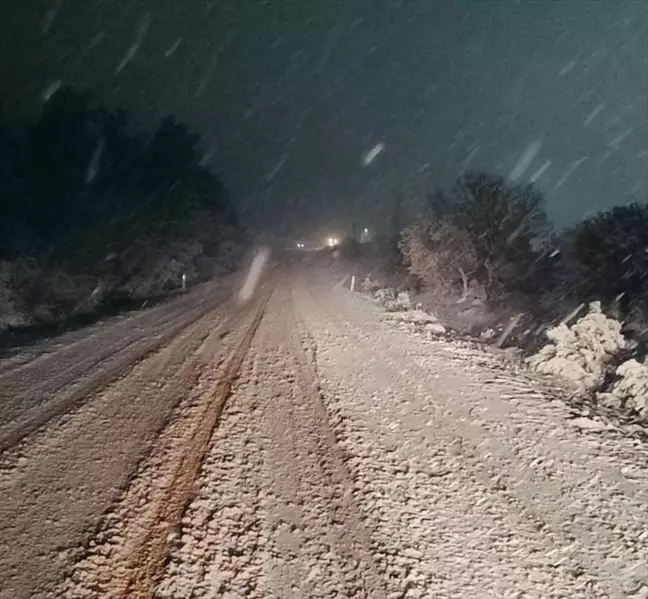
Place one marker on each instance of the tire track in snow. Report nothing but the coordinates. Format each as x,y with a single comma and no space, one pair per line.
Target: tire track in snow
72,379
130,546
274,515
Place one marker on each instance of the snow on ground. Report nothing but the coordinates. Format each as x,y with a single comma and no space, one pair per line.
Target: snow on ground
273,516
476,480
353,459
57,483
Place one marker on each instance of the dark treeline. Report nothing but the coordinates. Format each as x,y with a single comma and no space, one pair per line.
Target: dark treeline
488,237
91,211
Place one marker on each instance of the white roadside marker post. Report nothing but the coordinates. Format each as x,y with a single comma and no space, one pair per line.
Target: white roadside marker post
184,282
352,286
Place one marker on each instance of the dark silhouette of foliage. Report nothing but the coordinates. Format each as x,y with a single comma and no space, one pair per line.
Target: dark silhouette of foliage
84,196
610,253
502,223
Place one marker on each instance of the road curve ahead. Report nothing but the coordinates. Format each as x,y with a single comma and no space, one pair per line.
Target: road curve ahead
302,446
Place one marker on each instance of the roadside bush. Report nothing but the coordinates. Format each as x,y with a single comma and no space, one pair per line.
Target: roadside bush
155,271
629,391
30,291
581,353
41,294
502,223
483,231
608,255
92,213
588,355
368,285
492,240
440,254
10,316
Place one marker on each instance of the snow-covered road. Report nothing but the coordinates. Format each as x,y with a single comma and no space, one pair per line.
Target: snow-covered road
304,447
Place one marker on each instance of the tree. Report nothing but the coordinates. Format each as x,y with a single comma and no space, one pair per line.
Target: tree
610,253
172,155
101,208
501,222
57,155
439,254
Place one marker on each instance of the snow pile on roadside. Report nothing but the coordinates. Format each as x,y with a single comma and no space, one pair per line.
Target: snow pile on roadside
630,390
418,317
392,301
581,353
369,286
585,353
399,309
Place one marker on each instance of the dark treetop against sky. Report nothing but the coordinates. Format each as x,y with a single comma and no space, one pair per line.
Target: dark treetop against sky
289,95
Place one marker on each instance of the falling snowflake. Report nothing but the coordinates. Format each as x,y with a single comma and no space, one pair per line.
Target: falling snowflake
51,89
540,171
372,154
525,160
174,47
139,38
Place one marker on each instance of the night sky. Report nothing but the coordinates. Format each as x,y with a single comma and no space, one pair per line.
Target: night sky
289,95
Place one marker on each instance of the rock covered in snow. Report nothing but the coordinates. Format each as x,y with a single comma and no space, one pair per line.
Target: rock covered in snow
581,353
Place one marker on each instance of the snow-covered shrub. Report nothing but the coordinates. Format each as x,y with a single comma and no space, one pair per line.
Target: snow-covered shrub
30,291
368,285
10,315
630,390
159,270
427,321
487,334
404,301
47,293
400,303
69,293
392,301
384,295
581,353
229,251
